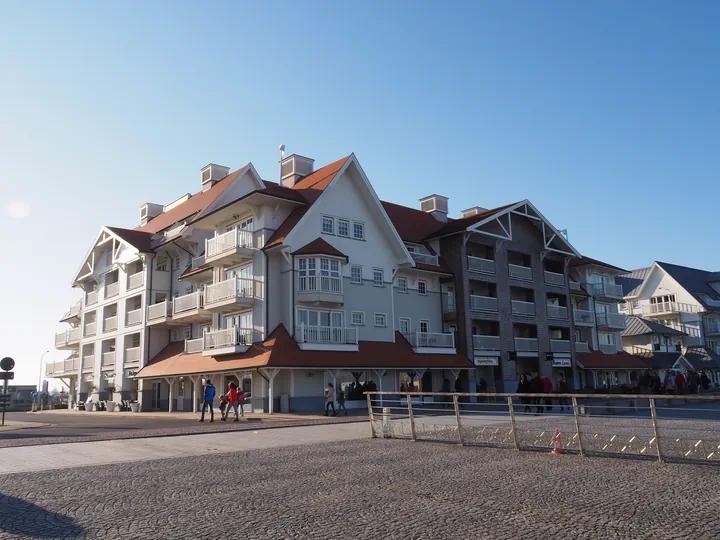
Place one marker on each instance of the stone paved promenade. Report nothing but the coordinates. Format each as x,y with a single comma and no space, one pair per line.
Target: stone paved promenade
365,489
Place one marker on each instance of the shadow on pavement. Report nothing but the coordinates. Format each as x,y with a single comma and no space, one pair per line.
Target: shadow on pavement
25,518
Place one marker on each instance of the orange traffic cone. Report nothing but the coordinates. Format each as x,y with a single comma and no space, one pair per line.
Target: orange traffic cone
557,443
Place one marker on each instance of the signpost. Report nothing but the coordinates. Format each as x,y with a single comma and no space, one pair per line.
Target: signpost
6,364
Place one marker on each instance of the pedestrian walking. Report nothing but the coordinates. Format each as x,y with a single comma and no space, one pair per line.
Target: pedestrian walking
547,388
537,387
232,398
341,401
241,400
562,388
705,382
524,388
330,400
680,384
208,397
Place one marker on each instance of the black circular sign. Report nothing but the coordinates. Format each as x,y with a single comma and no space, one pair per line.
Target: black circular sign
7,363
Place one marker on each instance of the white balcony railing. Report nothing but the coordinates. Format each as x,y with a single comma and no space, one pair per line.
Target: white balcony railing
193,345
553,278
483,303
90,329
523,308
520,272
581,347
326,334
187,302
668,307
88,362
110,324
574,285
486,343
432,340
68,337
159,311
608,348
557,312
611,320
133,355
233,288
69,365
560,345
320,284
584,316
91,297
108,359
112,289
227,337
605,290
133,317
229,241
526,344
197,262
424,258
478,264
136,280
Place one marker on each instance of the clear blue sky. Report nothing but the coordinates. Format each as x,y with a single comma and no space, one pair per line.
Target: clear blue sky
606,116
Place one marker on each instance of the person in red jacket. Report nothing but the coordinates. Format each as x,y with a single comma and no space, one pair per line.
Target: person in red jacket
232,397
547,388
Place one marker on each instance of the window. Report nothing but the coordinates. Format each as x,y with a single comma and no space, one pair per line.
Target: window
328,225
356,274
306,274
404,325
422,287
162,264
243,225
606,339
177,262
380,319
424,326
635,304
402,285
411,249
358,318
188,332
310,317
378,278
343,227
358,230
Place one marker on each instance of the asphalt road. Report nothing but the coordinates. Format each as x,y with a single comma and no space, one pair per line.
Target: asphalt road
367,489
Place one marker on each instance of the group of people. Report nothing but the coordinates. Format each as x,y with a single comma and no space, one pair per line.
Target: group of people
233,400
330,400
649,383
532,383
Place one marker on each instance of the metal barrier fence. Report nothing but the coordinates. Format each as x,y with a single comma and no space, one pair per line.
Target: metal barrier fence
662,427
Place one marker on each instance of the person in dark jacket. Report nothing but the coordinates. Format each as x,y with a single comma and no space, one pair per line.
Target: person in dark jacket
705,381
208,397
537,387
562,388
524,388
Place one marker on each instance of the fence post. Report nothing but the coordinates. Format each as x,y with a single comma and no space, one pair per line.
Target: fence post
653,416
577,426
512,422
457,417
412,417
370,415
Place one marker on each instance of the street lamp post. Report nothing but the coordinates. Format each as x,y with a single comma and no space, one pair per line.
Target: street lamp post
40,376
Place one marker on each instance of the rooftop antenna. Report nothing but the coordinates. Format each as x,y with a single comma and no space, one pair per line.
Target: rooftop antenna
282,154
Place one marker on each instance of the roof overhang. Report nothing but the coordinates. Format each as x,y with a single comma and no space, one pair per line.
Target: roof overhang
105,236
240,207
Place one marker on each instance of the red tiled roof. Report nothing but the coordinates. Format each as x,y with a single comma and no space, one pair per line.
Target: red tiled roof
412,225
312,185
285,227
195,204
280,350
138,239
441,267
588,260
461,224
621,360
319,247
190,271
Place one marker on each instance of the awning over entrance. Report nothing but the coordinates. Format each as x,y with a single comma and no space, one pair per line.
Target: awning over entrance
281,351
621,360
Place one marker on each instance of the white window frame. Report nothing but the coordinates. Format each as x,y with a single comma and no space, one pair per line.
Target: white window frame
382,277
332,225
162,264
362,230
424,286
383,323
330,313
403,288
188,332
352,277
361,321
409,325
177,262
347,228
611,338
427,326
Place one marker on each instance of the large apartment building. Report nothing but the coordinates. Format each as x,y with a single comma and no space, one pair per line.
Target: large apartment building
287,287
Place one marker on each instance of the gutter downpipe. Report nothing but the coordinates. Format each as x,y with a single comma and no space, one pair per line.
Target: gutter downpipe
147,328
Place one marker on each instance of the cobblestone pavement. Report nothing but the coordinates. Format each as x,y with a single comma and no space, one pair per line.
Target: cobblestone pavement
367,489
127,429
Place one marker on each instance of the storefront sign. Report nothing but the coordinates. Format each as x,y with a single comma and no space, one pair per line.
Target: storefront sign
486,361
561,362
